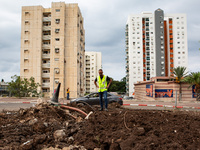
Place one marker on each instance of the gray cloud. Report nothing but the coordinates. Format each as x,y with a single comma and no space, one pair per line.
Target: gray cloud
104,23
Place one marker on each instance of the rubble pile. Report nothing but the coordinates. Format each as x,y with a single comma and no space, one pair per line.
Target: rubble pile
51,127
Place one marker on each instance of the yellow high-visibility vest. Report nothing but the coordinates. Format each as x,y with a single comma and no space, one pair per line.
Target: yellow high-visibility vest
102,83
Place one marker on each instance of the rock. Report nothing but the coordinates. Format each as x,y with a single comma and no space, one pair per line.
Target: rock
66,123
73,147
97,149
33,121
118,140
139,131
59,135
71,138
46,124
22,121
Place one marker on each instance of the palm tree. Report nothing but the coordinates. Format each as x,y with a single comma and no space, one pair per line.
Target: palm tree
180,73
194,79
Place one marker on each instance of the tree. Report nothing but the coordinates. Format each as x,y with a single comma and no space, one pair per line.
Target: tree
180,73
118,86
194,79
23,87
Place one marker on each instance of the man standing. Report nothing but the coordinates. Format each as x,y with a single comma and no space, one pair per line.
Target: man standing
67,93
103,85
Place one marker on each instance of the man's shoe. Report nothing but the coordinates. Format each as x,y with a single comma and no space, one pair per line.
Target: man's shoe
101,109
106,109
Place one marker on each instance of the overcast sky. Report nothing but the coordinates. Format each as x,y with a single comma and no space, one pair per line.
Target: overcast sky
104,22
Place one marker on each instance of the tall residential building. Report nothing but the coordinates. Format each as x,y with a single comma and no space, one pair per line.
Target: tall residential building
53,48
93,62
155,44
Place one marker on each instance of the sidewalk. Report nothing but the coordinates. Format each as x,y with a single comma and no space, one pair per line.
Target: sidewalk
184,104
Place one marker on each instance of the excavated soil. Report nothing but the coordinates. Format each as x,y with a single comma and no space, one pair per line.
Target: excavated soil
51,127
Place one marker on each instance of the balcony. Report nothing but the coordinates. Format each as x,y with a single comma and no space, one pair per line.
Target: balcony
47,19
46,37
46,28
45,55
46,84
46,46
46,65
45,75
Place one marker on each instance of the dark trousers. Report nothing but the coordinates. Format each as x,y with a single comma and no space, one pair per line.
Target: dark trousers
101,96
67,96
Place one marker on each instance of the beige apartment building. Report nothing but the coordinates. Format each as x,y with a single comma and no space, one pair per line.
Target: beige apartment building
93,62
53,48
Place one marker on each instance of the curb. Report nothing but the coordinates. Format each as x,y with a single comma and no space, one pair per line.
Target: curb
170,106
18,102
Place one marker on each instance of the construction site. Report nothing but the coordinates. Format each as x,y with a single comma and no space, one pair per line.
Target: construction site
55,126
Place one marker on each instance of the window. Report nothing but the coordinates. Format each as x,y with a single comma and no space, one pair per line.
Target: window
57,10
26,22
26,32
57,39
46,42
57,30
57,21
57,50
26,13
56,59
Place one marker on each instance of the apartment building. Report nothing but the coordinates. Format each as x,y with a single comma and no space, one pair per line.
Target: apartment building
93,62
155,44
53,48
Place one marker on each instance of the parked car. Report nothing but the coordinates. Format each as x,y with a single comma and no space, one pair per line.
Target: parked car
93,99
127,97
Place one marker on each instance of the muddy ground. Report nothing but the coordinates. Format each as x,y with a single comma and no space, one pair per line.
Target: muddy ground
51,127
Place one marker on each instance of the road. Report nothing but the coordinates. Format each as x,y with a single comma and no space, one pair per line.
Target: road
14,106
17,106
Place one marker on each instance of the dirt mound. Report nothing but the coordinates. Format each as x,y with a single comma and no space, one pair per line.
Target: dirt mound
140,129
51,127
34,128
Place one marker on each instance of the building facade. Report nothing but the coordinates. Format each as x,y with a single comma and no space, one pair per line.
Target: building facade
53,48
93,62
163,89
4,89
155,44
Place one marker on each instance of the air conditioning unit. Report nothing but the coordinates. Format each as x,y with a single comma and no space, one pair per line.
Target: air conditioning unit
57,22
57,71
57,81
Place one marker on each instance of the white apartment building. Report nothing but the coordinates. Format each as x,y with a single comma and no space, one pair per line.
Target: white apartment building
93,61
155,44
